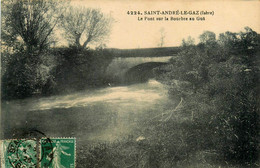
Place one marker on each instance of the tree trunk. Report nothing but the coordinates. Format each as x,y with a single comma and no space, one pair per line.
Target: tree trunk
77,41
86,42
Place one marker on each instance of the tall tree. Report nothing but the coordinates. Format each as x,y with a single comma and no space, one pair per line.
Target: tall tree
27,30
83,26
29,23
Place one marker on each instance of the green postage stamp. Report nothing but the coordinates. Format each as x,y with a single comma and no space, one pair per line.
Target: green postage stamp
45,153
18,153
59,153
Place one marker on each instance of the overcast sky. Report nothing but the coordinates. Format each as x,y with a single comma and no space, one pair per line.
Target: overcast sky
128,32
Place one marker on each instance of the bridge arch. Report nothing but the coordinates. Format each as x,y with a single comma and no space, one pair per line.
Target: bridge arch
141,73
121,69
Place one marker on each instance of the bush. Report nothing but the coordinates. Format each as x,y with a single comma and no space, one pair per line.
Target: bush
218,81
24,76
78,69
54,71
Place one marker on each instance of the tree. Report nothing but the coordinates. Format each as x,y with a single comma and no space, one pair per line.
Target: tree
27,30
207,37
29,24
162,37
83,26
189,42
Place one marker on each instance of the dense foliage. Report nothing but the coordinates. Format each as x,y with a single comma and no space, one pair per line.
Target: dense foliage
59,70
31,62
78,69
218,83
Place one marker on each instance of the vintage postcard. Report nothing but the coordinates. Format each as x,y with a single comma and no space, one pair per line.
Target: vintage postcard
130,84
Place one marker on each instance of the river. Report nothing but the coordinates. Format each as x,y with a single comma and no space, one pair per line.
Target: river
104,114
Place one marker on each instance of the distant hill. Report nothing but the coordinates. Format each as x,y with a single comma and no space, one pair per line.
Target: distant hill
144,52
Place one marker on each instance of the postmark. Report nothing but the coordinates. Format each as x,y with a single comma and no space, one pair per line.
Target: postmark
31,153
19,153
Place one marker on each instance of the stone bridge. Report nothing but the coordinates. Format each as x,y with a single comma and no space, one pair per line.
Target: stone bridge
134,69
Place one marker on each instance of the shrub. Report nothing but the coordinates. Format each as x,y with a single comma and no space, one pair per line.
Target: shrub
218,81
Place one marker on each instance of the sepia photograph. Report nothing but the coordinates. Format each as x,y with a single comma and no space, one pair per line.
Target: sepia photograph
130,84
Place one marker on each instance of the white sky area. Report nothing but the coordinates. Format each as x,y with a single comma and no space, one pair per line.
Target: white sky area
128,32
